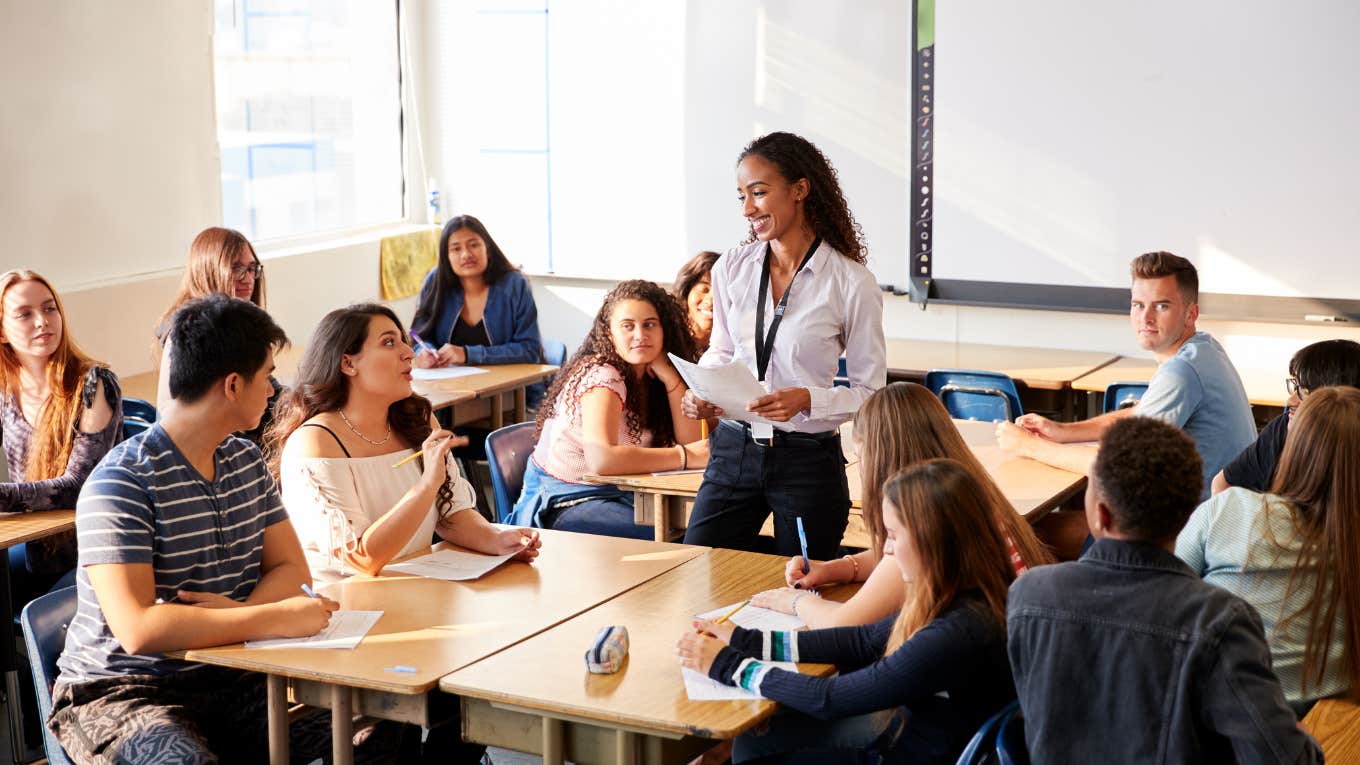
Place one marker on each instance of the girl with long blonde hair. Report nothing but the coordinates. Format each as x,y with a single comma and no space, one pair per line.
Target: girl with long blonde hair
221,260
899,425
1293,552
61,411
914,685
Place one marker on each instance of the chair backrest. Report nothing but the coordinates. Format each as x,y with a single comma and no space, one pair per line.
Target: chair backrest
554,352
1122,395
507,454
842,376
138,415
1010,738
44,621
981,747
976,395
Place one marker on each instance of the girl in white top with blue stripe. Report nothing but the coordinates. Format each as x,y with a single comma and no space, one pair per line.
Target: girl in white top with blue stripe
1294,553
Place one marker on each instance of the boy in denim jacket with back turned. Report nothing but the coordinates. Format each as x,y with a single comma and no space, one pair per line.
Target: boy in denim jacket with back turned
1126,655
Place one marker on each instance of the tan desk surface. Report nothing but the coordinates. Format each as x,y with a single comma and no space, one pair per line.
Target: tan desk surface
17,528
1030,485
438,627
1047,368
546,673
1335,723
1265,387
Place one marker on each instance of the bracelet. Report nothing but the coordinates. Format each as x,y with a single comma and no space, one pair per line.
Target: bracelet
684,457
675,387
854,575
793,606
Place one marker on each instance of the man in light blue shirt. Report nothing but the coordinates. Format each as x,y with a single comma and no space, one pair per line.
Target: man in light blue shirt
1195,386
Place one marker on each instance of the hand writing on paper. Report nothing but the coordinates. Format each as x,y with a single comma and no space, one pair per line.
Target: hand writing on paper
696,408
782,405
303,616
819,573
425,360
697,651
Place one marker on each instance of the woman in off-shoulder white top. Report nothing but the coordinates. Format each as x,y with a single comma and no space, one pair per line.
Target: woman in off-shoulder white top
338,436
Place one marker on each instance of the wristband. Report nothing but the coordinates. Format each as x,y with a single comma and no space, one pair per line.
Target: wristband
854,575
684,458
793,606
675,387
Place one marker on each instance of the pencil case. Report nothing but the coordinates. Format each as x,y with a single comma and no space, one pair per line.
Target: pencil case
608,650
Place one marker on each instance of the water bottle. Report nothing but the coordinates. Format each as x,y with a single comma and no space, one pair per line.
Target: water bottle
436,215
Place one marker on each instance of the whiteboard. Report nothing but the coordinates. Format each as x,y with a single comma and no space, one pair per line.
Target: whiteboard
1073,136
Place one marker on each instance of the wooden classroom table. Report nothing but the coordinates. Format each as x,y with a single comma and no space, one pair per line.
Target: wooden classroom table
438,627
473,397
1335,723
17,528
1032,487
1265,387
1043,368
538,697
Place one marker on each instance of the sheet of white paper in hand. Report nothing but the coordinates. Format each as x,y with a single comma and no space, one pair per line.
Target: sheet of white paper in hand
703,688
450,565
445,373
757,618
729,387
345,630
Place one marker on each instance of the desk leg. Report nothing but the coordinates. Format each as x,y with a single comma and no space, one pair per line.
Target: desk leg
276,695
552,741
662,519
497,411
521,404
342,725
625,748
9,663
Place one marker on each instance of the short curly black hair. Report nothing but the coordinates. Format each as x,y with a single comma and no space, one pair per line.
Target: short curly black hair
1150,476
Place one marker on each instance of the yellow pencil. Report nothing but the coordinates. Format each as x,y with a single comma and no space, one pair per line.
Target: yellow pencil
731,613
408,459
703,429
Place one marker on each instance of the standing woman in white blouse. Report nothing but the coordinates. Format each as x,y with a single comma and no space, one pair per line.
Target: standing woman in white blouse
788,304
338,436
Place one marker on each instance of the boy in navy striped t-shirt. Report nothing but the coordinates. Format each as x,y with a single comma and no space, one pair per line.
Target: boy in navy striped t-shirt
184,544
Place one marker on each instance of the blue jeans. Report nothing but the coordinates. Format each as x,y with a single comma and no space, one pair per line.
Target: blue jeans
792,736
744,482
610,517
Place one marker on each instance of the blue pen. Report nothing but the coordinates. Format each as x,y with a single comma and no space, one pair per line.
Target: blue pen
802,540
421,345
310,592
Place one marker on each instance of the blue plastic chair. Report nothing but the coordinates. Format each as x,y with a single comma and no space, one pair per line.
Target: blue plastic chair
842,376
138,415
975,395
507,454
554,352
44,622
981,747
1010,739
1121,395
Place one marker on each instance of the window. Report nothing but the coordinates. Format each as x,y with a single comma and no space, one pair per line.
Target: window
308,115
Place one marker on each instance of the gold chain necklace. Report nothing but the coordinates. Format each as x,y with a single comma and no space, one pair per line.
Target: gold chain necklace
361,435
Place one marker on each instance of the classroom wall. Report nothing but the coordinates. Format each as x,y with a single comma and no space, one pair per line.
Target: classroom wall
127,88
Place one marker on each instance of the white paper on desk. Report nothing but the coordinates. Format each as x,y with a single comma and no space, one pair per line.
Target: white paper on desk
450,565
757,618
346,629
729,387
704,688
445,373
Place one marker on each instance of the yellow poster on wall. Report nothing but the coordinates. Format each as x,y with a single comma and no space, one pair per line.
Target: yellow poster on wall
404,260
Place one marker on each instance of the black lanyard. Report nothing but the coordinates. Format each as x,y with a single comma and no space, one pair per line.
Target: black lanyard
764,349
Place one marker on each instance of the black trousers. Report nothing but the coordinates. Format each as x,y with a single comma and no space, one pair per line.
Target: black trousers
797,476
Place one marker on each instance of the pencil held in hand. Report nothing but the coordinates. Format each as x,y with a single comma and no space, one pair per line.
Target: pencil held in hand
405,460
731,613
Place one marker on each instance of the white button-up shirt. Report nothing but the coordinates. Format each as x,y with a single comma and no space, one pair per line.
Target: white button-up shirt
834,308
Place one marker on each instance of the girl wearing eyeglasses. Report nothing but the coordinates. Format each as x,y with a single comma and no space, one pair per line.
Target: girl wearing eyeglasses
220,260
